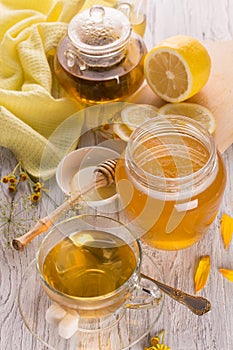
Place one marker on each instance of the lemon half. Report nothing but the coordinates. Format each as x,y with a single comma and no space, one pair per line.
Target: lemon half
192,110
177,68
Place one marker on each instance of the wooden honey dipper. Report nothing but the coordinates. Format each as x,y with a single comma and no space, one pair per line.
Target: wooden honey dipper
104,175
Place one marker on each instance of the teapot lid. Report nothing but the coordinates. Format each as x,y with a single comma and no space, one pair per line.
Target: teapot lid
99,29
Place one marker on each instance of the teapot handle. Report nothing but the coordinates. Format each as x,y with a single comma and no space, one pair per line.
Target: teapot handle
72,59
126,8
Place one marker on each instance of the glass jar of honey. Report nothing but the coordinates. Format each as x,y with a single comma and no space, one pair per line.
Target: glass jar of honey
170,180
101,58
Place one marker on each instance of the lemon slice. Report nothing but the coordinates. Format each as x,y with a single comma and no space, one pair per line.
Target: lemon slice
192,110
177,68
134,115
122,131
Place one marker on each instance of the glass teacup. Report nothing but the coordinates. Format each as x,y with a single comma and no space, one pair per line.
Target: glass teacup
91,264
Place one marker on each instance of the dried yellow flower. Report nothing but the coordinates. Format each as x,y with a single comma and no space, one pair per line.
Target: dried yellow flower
12,179
202,273
35,197
23,176
12,188
162,347
227,273
157,342
226,229
158,347
4,179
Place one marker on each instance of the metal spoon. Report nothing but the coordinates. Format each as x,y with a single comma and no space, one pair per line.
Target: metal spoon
198,305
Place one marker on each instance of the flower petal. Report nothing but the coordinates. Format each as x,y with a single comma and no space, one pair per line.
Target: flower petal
226,229
202,273
227,274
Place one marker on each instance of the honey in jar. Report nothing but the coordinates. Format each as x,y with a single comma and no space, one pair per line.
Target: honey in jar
171,181
101,58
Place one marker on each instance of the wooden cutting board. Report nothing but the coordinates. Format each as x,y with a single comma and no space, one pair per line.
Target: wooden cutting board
217,94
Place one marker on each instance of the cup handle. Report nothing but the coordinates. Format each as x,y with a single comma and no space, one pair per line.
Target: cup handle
146,295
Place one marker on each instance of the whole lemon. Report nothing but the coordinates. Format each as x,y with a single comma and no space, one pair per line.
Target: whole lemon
177,68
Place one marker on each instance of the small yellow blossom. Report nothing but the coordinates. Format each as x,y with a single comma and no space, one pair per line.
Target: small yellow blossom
5,179
162,347
158,347
23,176
12,179
158,342
37,187
35,197
12,188
155,340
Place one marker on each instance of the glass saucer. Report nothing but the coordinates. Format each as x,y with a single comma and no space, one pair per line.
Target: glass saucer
126,331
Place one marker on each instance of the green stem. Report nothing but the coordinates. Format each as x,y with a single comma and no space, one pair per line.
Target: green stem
15,168
161,336
9,219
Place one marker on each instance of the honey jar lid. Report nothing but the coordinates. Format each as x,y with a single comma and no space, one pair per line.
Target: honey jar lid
99,29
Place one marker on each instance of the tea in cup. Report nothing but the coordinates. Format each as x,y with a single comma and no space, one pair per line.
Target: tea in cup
91,264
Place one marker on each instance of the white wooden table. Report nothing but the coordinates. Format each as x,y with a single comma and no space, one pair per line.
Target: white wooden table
203,19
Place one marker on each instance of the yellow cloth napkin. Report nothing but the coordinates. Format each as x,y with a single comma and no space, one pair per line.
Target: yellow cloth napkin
32,104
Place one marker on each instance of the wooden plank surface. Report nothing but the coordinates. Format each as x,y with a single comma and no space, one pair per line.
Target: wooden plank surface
204,19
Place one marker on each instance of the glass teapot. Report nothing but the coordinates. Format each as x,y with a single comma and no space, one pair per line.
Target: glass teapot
101,57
